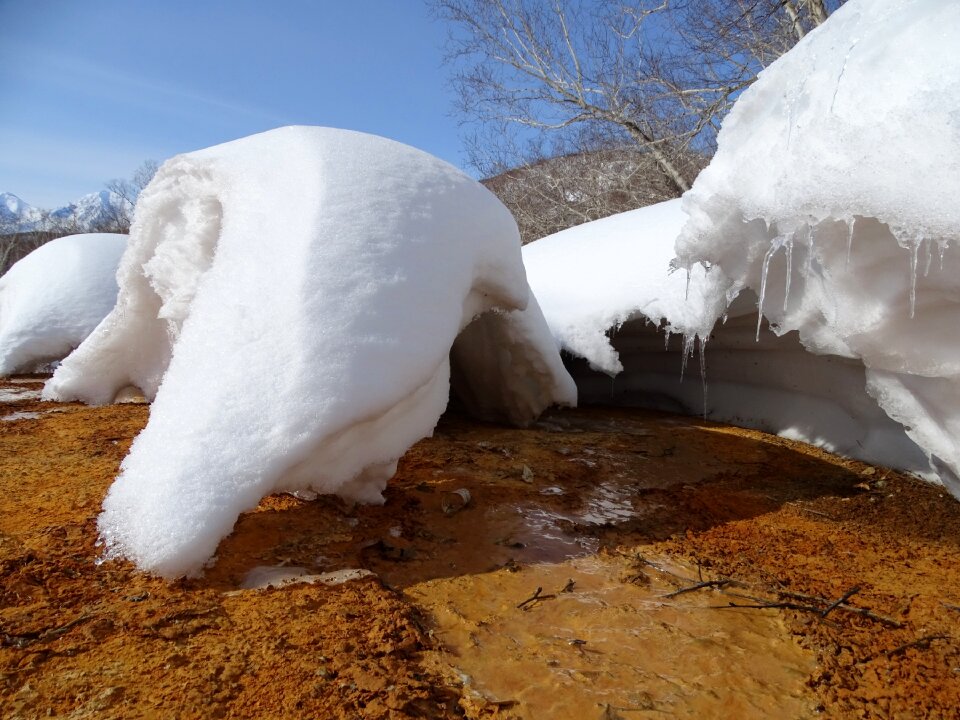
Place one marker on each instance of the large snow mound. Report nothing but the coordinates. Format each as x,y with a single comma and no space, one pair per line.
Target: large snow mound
833,197
291,300
609,298
54,297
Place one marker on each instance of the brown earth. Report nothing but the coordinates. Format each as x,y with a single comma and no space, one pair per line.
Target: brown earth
594,517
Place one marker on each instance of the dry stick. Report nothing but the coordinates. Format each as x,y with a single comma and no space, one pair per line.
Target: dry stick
534,598
22,641
843,606
763,605
699,586
923,643
841,600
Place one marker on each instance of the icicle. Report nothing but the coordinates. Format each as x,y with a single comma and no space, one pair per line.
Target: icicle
914,249
788,243
943,248
703,374
666,339
809,264
929,255
850,225
763,282
687,352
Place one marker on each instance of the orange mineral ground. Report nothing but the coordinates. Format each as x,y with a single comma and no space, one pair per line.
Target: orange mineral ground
601,564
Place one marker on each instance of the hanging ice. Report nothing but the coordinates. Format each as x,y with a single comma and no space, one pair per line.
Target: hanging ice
614,273
291,300
852,138
54,297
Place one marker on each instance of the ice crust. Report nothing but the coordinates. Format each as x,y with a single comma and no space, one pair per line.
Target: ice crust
609,297
54,297
289,301
833,197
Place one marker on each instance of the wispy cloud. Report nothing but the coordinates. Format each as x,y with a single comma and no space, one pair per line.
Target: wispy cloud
113,83
49,171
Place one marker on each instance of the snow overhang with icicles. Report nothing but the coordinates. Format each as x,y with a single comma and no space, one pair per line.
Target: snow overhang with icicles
832,196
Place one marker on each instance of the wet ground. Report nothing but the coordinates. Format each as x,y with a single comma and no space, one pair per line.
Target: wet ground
601,564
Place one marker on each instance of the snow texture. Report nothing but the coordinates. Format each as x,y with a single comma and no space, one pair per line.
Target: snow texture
609,298
289,301
54,297
832,196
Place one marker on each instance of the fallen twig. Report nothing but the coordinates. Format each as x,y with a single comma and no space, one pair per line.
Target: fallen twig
841,600
536,597
785,605
699,586
843,606
22,641
811,510
921,643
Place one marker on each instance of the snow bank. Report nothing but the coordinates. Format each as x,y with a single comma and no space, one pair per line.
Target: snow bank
609,298
290,300
596,276
54,297
833,197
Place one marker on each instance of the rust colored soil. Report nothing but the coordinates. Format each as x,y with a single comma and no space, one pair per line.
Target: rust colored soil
608,512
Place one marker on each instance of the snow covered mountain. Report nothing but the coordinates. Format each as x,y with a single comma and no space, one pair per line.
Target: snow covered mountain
90,212
15,213
93,210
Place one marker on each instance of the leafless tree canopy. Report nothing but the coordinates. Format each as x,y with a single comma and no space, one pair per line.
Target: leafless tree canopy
546,78
128,191
557,193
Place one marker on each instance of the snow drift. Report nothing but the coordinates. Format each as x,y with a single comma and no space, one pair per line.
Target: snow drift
54,297
291,300
610,299
832,197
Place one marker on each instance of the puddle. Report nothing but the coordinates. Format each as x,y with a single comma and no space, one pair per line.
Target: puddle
14,394
30,414
607,648
264,576
20,416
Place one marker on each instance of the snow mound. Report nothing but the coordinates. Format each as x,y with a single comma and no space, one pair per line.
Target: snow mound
610,299
54,297
290,301
833,197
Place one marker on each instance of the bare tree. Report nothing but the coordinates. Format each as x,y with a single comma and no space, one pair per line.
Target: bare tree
555,193
566,68
654,77
125,194
19,239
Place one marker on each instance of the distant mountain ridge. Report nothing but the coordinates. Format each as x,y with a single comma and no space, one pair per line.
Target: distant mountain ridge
93,211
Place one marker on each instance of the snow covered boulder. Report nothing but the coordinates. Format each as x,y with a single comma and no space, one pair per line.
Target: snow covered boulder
290,301
611,301
54,297
832,197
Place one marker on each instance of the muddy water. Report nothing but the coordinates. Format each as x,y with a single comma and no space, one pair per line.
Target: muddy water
599,647
598,638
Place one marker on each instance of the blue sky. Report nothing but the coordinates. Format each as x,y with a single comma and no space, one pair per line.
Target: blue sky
89,90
